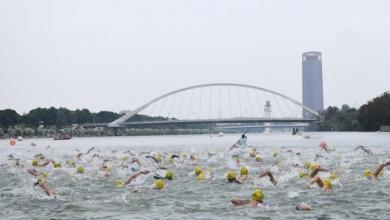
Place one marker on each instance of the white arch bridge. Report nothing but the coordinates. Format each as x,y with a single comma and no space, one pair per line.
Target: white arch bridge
216,103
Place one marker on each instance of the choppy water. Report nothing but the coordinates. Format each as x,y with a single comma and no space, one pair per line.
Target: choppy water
92,196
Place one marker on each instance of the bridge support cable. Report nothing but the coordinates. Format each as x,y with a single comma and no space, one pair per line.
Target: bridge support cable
249,102
230,102
173,98
190,108
239,102
181,104
200,102
162,106
288,106
258,101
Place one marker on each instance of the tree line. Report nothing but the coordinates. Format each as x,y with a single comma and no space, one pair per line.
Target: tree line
60,117
369,117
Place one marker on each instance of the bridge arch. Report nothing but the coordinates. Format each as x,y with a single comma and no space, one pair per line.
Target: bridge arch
130,114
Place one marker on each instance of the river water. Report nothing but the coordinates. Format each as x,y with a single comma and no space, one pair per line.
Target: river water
93,196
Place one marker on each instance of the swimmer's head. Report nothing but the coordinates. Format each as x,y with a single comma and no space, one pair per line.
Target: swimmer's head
333,176
258,195
314,166
169,175
231,175
118,183
252,154
34,162
198,170
80,169
367,173
302,174
57,164
327,184
159,184
201,177
306,165
244,171
258,158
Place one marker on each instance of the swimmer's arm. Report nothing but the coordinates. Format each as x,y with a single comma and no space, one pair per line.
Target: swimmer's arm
271,177
131,178
45,163
379,169
240,201
135,160
315,172
32,172
46,188
91,149
317,180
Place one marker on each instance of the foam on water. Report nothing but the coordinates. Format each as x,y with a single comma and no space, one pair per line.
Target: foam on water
91,195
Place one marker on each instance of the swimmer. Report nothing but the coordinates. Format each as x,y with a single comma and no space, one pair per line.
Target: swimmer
318,156
132,177
325,184
324,146
36,164
45,186
269,174
243,174
364,149
42,182
303,207
232,177
156,158
316,168
168,175
255,201
240,142
374,175
105,169
91,149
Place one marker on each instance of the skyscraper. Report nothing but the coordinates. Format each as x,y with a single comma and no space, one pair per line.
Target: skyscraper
312,88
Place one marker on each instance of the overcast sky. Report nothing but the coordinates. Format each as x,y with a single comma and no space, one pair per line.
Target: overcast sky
117,55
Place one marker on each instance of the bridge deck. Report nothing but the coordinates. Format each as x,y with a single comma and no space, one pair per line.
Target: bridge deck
207,121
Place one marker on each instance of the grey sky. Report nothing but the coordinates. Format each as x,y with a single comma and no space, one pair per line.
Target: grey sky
116,55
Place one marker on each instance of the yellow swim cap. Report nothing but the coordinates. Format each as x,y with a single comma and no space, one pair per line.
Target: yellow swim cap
302,174
333,176
327,184
80,169
314,166
159,184
231,175
57,164
258,158
306,165
158,157
367,173
244,171
34,162
169,175
118,183
201,177
258,195
252,154
42,178
198,170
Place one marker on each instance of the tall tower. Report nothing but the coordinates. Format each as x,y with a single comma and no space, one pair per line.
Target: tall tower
267,114
312,88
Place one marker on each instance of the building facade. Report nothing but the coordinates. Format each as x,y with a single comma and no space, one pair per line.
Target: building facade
312,86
